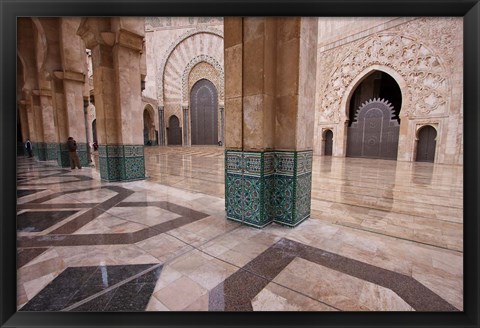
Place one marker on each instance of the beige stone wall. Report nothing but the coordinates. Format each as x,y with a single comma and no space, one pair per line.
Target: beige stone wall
424,56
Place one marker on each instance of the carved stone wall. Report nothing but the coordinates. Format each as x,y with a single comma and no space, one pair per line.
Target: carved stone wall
174,47
204,70
424,55
198,47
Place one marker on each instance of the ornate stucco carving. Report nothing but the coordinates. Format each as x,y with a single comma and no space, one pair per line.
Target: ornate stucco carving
195,71
168,53
427,90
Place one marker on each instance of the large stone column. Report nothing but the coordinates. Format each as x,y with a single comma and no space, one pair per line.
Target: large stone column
116,45
22,115
28,75
35,112
45,114
69,86
270,67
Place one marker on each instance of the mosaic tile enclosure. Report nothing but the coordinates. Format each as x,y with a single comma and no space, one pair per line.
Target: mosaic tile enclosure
121,162
63,158
266,187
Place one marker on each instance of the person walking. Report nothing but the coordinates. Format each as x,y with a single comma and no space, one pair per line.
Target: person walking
72,152
28,146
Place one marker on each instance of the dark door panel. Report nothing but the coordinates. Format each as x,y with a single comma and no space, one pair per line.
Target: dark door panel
328,143
426,144
174,131
374,133
204,113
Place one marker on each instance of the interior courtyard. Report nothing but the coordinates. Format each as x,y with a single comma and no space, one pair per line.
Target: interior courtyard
240,164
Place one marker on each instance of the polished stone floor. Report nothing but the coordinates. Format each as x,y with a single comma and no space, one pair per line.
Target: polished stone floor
383,236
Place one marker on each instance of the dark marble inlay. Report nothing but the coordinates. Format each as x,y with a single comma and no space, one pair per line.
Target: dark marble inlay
56,295
40,220
25,255
62,237
238,290
77,284
26,192
54,206
131,297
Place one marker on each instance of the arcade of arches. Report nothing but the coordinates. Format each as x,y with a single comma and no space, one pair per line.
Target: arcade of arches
220,152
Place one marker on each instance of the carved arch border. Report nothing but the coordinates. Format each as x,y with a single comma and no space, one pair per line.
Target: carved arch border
402,83
419,125
417,65
175,44
188,69
342,114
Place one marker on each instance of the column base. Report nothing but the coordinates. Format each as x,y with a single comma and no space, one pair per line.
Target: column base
121,162
46,151
266,187
63,158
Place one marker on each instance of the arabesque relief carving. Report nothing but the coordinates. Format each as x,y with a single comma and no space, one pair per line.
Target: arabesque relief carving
175,44
415,62
203,71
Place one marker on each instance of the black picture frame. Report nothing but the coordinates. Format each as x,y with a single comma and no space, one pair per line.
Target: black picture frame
9,9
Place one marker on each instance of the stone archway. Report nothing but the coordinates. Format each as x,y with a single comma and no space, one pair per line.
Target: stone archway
149,135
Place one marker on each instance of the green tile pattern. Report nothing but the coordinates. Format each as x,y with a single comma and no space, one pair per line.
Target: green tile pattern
262,187
246,188
293,184
63,158
51,150
121,162
35,149
41,151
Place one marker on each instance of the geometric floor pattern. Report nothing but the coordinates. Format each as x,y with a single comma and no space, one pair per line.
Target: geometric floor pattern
383,236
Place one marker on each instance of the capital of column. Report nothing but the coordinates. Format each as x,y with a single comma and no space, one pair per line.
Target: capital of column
70,75
130,40
90,33
96,32
42,92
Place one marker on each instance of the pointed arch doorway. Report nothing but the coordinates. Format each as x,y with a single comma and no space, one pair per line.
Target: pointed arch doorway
374,117
204,113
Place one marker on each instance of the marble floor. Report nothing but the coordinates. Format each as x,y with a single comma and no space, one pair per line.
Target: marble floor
383,236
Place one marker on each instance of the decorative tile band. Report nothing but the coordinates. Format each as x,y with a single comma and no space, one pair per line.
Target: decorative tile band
63,158
51,151
121,162
41,151
262,187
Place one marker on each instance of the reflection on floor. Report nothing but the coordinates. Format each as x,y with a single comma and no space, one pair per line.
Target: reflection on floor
383,236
